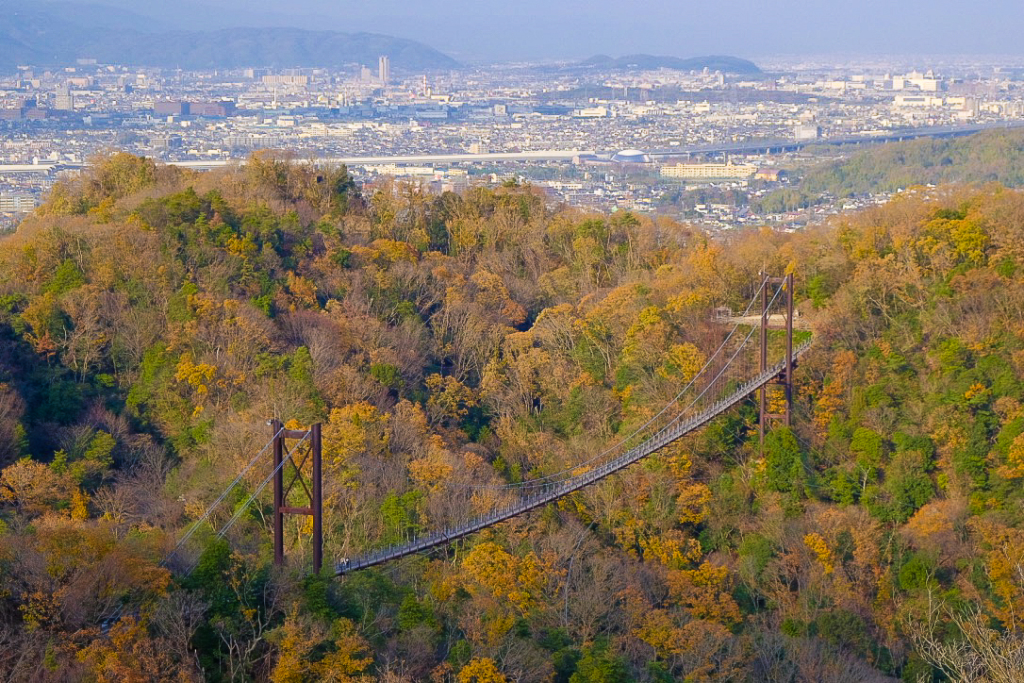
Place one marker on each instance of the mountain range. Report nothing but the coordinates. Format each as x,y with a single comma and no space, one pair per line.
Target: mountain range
57,33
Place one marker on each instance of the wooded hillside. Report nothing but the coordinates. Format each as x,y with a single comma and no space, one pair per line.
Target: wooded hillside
988,156
152,320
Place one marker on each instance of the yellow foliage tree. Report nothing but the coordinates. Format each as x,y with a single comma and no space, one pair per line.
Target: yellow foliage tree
705,593
353,430
302,290
1014,467
820,548
79,505
432,471
831,398
932,519
1004,563
196,375
350,657
293,649
481,670
698,647
672,549
449,398
693,503
297,640
512,580
492,293
131,655
682,362
32,486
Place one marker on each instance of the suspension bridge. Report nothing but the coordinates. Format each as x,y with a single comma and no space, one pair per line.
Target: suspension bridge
756,350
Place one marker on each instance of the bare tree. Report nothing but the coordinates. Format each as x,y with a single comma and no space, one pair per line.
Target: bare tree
980,654
177,618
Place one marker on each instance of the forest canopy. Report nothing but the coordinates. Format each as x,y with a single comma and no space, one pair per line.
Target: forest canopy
153,319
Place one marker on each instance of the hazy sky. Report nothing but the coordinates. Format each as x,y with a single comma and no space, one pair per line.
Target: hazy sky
538,29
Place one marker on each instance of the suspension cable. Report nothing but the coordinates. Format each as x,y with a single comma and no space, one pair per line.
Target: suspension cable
540,481
532,483
209,511
259,489
557,478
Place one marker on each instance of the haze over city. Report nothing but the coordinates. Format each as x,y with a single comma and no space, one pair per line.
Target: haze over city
488,30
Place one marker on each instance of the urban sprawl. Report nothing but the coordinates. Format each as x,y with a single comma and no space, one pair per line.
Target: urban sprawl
607,140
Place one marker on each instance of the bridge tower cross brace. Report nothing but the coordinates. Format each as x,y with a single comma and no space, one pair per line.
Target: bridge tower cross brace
313,488
785,379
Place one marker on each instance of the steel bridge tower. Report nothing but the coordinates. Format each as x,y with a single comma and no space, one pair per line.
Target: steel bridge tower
785,379
313,488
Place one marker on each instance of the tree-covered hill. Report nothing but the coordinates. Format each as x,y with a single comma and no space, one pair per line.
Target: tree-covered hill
153,319
988,156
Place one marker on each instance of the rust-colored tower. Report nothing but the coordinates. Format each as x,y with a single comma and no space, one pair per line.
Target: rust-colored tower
313,488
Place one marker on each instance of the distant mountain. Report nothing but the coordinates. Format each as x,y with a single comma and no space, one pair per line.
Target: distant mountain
54,34
238,47
723,63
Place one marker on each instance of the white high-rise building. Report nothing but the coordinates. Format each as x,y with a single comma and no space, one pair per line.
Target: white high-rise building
384,69
63,99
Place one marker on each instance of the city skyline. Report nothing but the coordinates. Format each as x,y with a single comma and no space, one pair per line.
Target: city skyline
617,135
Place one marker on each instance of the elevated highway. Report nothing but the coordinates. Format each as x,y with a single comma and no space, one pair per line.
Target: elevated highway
762,146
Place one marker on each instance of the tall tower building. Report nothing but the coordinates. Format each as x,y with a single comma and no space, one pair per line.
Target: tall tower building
384,69
63,99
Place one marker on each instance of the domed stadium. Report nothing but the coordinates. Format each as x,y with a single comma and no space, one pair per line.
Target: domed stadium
631,156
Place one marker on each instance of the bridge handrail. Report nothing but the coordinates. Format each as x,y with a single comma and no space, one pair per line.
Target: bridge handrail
559,489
